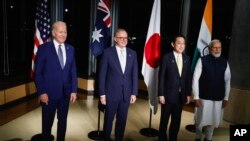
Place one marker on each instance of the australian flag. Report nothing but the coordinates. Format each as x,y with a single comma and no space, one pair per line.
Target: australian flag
101,32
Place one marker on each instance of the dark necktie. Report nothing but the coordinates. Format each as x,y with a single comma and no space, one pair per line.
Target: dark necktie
60,56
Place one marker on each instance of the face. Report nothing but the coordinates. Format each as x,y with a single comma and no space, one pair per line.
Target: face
121,38
179,44
59,32
215,50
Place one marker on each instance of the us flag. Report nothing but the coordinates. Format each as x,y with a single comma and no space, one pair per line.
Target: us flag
42,28
101,32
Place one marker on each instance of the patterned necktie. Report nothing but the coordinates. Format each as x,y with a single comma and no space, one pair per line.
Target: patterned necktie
179,63
122,59
60,56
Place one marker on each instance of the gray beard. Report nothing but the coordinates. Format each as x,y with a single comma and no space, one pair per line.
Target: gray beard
216,55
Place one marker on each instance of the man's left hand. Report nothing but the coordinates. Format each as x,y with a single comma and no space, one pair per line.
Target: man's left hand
132,99
224,104
73,97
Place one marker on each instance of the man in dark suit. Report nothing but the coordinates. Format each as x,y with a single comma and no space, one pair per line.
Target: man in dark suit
56,80
118,84
174,88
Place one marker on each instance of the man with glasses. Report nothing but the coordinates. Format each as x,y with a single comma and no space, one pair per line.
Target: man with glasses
118,84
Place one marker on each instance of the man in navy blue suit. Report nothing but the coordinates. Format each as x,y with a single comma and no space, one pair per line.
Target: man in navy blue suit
174,88
118,84
56,80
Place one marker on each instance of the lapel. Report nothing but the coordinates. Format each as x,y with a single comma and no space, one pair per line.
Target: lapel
174,63
185,64
67,55
116,59
128,59
117,62
54,52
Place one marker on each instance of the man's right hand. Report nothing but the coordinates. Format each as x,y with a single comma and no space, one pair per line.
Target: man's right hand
44,98
103,99
161,99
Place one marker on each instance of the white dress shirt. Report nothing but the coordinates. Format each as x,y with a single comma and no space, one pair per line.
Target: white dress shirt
63,50
122,60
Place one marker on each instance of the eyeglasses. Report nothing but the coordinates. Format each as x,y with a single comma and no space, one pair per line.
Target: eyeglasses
122,38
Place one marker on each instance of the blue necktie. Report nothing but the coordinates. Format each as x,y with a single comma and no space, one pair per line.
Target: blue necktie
60,56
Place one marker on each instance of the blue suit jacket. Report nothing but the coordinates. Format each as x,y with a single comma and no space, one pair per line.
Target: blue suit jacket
50,78
112,82
170,81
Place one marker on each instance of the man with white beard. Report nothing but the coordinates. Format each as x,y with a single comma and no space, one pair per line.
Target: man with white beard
211,87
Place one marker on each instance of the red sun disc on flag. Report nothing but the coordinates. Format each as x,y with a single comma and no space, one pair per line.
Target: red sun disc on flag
152,50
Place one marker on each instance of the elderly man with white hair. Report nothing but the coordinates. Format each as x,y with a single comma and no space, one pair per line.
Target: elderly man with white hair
211,87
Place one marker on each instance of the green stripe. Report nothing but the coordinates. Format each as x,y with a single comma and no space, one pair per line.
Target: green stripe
195,59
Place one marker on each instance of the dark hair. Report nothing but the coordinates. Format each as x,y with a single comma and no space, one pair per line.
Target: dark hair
177,36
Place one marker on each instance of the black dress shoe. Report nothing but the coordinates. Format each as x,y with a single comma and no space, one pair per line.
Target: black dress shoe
197,140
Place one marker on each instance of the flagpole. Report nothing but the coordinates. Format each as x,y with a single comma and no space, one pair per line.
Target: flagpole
149,132
97,134
43,37
151,61
204,38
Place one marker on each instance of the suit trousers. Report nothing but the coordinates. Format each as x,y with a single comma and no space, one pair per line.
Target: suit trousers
175,111
48,115
120,109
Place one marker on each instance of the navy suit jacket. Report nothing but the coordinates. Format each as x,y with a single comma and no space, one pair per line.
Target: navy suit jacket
112,82
50,78
170,81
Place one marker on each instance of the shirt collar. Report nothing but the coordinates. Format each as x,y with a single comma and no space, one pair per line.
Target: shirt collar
57,44
118,49
175,54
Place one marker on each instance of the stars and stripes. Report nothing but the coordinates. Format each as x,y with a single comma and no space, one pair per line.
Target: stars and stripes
42,28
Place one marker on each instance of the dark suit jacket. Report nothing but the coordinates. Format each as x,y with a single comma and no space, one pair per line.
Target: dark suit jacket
170,80
50,78
112,82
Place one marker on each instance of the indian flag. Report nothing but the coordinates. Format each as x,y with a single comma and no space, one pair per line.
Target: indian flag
204,35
